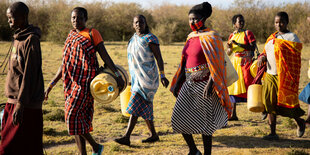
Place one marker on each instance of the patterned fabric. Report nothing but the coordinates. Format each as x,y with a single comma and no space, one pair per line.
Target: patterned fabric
240,87
194,114
213,49
197,68
138,106
288,60
242,37
150,38
79,68
95,35
25,138
142,66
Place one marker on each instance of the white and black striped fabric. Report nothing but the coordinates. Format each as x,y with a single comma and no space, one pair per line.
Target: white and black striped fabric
193,114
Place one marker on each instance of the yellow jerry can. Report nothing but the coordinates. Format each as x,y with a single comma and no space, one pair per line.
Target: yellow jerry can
254,100
104,86
125,96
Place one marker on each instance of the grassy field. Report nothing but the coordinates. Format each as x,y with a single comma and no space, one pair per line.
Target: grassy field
240,137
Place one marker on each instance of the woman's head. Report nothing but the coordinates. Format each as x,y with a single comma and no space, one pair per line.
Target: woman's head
238,21
140,24
78,18
198,14
281,21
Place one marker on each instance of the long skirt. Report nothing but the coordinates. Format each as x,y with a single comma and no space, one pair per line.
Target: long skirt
138,106
24,138
270,99
194,114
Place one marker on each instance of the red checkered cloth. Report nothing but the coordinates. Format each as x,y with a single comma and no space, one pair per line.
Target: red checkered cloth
79,68
138,106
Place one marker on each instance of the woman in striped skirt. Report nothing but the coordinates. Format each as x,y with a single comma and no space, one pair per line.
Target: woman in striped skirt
202,104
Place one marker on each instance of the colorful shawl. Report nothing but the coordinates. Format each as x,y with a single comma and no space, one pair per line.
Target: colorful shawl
288,60
213,49
79,68
142,66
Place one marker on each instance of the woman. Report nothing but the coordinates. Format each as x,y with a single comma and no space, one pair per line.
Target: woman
241,44
282,54
78,68
143,47
200,84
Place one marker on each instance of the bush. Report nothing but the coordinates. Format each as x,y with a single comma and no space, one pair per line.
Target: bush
168,22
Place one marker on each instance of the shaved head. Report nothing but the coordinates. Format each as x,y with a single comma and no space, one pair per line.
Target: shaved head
17,14
19,9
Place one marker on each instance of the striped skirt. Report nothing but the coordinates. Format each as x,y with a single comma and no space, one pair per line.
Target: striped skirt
194,114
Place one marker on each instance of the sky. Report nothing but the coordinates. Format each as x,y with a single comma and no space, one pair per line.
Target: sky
224,4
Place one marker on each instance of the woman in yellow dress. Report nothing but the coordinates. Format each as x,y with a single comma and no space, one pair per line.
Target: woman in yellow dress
241,44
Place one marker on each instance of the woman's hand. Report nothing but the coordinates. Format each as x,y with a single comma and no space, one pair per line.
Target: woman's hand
261,60
46,92
165,82
18,114
229,51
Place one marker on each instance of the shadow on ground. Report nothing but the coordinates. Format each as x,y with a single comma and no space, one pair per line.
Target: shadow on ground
258,142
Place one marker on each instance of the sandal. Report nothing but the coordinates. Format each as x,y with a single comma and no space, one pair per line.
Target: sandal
151,139
301,130
123,141
100,150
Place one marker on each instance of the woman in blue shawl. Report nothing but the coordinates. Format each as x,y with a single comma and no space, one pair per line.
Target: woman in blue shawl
143,49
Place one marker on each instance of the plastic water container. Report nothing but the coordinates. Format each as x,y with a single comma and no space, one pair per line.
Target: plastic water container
104,86
254,100
125,96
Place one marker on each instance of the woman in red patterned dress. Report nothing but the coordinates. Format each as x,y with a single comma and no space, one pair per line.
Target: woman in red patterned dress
79,67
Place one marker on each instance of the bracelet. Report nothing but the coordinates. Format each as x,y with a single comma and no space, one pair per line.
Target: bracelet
52,84
162,76
117,74
239,44
162,72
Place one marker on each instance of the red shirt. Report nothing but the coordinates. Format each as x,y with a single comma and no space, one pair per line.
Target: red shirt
193,53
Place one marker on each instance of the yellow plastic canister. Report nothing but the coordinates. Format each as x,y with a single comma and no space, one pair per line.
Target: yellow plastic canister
254,100
125,96
104,86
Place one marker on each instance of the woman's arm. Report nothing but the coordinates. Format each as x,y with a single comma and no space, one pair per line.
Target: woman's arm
108,61
156,51
53,82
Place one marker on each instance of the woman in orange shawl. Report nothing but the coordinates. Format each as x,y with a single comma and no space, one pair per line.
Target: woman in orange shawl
200,83
282,54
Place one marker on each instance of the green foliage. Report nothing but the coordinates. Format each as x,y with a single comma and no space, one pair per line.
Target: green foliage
5,31
168,22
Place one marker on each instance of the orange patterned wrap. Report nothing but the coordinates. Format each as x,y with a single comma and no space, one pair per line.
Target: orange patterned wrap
288,60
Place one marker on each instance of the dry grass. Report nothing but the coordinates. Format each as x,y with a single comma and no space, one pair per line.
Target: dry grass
240,137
